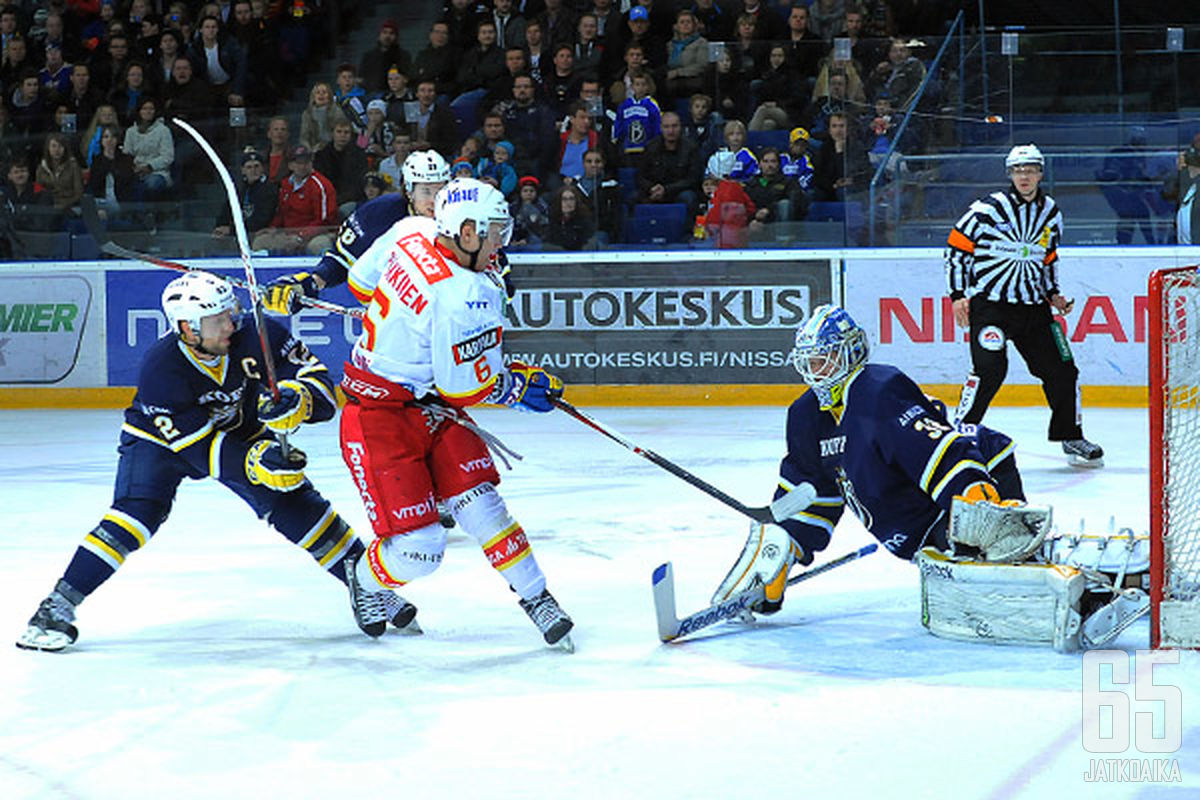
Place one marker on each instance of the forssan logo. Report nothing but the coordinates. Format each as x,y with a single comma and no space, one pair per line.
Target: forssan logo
354,451
421,251
932,320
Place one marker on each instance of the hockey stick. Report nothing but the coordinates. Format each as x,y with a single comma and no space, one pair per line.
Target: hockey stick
239,228
91,220
966,399
796,500
671,627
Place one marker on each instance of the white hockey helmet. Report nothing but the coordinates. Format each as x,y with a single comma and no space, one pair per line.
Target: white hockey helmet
830,347
464,199
720,164
424,166
195,295
1024,154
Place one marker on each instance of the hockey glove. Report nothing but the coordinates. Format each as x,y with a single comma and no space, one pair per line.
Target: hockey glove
282,296
295,406
267,466
527,388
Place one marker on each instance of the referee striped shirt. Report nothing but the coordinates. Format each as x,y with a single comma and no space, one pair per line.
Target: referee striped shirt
1005,249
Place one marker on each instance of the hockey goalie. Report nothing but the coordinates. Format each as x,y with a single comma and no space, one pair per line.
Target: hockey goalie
948,498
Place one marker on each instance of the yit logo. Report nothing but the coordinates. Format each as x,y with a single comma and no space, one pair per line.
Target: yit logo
477,304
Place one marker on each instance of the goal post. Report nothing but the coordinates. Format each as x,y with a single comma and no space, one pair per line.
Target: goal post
1174,384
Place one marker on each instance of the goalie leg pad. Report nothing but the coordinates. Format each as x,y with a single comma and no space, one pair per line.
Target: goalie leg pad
1002,533
1119,555
765,560
1028,604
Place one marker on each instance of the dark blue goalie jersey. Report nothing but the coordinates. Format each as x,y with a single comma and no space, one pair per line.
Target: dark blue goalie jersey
891,456
366,224
186,405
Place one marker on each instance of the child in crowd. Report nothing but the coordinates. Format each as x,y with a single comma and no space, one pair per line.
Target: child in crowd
461,167
704,126
796,163
638,120
529,212
498,170
374,185
389,168
730,209
745,163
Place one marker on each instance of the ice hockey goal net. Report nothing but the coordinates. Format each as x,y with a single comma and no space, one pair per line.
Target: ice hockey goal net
1174,337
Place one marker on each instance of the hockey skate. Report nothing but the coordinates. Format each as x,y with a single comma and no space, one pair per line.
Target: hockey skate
1082,453
1107,621
50,627
370,608
401,613
551,620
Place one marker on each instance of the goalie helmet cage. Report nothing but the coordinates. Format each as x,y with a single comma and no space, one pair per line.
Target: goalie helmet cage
1174,341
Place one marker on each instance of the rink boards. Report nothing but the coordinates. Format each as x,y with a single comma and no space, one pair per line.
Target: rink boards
638,328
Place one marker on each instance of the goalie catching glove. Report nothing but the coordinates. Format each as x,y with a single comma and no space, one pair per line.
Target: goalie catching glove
282,296
1001,530
766,559
294,407
266,465
527,388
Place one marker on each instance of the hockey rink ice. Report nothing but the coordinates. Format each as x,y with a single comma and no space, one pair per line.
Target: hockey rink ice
220,662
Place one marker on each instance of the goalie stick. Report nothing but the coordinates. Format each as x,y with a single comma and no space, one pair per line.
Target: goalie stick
671,627
796,500
91,220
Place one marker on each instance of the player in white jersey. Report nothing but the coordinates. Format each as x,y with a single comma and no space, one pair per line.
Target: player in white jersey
431,347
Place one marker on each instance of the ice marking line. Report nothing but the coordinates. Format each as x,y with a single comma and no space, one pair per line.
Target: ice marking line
1019,779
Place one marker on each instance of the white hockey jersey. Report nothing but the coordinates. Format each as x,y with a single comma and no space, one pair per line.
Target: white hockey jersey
431,325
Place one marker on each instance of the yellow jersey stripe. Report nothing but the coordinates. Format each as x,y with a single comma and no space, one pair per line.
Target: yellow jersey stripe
961,466
935,460
103,551
130,525
501,536
1003,454
341,547
815,520
315,532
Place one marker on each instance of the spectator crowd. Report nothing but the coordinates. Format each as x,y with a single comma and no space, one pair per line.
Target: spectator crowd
734,114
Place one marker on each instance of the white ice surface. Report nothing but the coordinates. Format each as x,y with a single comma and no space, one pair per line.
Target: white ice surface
221,663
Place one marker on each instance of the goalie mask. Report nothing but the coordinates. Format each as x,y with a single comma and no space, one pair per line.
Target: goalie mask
196,295
830,347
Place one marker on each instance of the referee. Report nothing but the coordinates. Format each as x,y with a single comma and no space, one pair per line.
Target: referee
1002,270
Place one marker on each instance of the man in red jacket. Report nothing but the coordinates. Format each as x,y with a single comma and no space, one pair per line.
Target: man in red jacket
307,216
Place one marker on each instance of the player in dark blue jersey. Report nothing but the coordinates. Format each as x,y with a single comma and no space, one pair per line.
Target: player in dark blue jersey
425,172
201,411
866,437
949,498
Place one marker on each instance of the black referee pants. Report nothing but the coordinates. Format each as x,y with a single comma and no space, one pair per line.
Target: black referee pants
1043,345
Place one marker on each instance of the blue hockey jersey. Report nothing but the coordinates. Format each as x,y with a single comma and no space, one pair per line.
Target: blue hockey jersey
799,168
188,406
891,456
366,224
638,121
